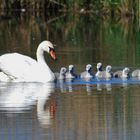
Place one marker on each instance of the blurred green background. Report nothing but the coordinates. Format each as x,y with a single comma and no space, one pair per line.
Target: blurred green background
85,31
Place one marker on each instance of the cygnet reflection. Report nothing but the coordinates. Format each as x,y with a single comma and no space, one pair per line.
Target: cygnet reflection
124,85
101,86
108,86
62,86
69,84
88,88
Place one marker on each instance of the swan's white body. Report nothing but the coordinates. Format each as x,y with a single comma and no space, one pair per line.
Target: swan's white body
20,68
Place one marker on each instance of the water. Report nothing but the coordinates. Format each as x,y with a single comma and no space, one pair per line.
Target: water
100,110
88,111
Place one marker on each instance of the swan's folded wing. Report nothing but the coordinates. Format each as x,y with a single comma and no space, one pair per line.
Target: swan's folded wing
17,65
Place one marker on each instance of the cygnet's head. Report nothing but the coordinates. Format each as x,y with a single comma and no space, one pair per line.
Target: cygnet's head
126,70
63,70
48,47
71,68
108,68
99,66
88,67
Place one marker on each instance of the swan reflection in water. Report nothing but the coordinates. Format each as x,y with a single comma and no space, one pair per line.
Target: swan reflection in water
62,86
69,82
106,86
19,97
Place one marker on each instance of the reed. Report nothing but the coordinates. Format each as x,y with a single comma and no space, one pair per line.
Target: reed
112,8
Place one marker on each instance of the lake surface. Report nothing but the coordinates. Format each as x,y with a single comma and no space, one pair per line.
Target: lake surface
79,110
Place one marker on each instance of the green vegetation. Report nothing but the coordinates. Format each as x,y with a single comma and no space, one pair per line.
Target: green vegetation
88,37
104,7
106,31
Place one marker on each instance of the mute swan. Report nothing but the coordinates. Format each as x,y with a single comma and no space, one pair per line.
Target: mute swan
122,74
99,70
87,74
61,75
70,74
20,68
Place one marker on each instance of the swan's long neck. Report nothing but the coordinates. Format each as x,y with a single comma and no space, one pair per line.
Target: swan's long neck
41,61
40,56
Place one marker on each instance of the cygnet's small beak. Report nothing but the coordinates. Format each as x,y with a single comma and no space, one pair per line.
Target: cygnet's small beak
52,53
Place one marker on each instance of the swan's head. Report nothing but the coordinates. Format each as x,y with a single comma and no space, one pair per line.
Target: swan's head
63,70
99,66
108,68
88,67
71,68
48,47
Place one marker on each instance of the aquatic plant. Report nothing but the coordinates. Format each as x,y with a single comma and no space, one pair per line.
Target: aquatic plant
111,7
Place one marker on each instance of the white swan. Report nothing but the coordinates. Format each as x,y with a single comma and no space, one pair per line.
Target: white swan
16,67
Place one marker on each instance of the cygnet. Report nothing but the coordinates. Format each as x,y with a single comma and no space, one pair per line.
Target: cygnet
99,70
61,75
88,73
70,74
122,74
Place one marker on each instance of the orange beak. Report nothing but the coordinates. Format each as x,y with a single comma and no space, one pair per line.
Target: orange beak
52,53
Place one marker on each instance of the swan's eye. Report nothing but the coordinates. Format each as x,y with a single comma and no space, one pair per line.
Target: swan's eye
51,49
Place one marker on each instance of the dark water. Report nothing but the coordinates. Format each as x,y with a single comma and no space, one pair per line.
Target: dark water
79,110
